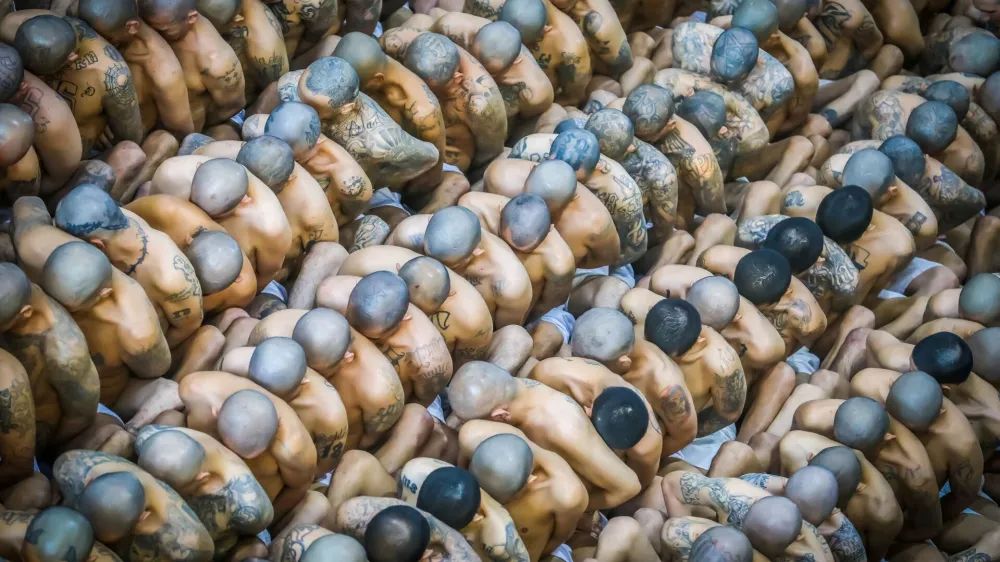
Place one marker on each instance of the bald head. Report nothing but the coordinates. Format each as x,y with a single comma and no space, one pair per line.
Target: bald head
673,325
378,304
763,276
247,423
45,44
428,282
113,503
951,93
915,400
171,456
364,55
860,423
843,463
17,133
168,17
705,110
976,53
219,12
944,356
497,46
614,132
985,348
433,58
253,126
845,214
759,16
75,274
716,300
870,170
650,108
329,81
398,533
554,181
502,465
217,260
264,305
721,544
733,55
478,388
570,123
11,72
108,17
218,186
295,123
452,234
814,490
771,524
89,212
790,12
989,95
324,335
268,158
527,16
578,148
335,547
620,417
15,292
452,495
278,365
799,240
933,126
525,222
907,158
979,300
58,534
602,334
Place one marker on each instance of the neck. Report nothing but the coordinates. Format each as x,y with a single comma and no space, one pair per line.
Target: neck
127,248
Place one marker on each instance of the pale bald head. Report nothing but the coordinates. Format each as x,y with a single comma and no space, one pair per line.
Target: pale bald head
341,548
75,273
113,503
527,16
269,159
870,170
378,304
496,46
502,464
602,334
325,337
915,400
17,132
428,281
814,491
846,468
555,182
247,423
15,292
295,123
452,234
716,299
478,388
218,186
771,524
171,456
363,53
985,346
860,423
217,260
278,365
525,222
979,300
58,534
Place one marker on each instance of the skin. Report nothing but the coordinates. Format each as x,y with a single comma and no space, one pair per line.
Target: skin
17,436
604,33
22,178
15,526
679,533
712,358
304,24
255,35
333,166
463,319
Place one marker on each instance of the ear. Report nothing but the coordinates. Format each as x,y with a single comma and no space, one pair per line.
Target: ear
701,339
26,311
820,260
245,201
477,252
588,410
202,476
625,361
105,292
631,148
348,357
73,56
452,293
546,29
97,243
347,108
399,266
238,18
215,411
192,17
889,437
531,478
723,130
809,456
500,415
893,189
406,317
946,390
379,76
132,27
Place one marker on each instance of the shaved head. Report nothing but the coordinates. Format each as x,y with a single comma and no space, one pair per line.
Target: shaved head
217,260
870,170
17,133
278,365
11,72
341,548
527,16
706,110
771,524
614,132
452,234
976,53
192,142
452,495
247,423
985,348
502,465
295,123
171,456
620,417
168,17
650,108
219,12
602,334
845,214
814,491
979,300
673,325
113,503
734,55
264,305
570,123
331,82
253,126
15,292
846,468
108,17
428,281
915,400
378,304
716,300
478,388
579,149
721,544
58,534
989,95
45,43
759,16
397,534
364,55
325,337
525,222
270,159
799,240
944,356
861,423
951,93
763,276
75,273
497,46
790,12
218,186
433,58
933,126
554,181
89,212
907,158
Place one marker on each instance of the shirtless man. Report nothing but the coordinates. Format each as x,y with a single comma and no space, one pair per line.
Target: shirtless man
42,335
453,304
169,527
156,72
19,440
22,174
378,307
255,35
392,530
399,92
166,276
389,156
57,530
576,213
247,208
305,24
70,55
194,464
481,390
212,71
683,535
259,427
607,336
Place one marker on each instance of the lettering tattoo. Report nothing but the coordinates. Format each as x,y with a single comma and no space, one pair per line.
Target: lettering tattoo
846,544
241,505
511,550
384,418
330,446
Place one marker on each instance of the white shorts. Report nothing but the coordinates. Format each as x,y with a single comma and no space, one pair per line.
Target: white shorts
385,198
436,410
450,168
102,409
276,289
625,273
886,295
702,450
561,319
911,272
803,361
564,552
265,536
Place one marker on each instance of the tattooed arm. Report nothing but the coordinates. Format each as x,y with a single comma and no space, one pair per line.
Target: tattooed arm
660,180
362,15
680,420
381,406
986,549
773,484
886,118
17,422
120,102
318,17
57,137
225,83
72,375
267,54
843,538
371,231
729,393
182,305
965,475
170,95
485,113
559,270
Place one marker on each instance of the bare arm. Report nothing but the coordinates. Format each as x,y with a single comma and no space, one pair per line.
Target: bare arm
224,80
77,388
558,280
570,502
512,294
380,412
171,97
317,21
965,477
183,307
362,15
17,422
613,482
680,421
603,247
57,138
729,393
147,355
120,102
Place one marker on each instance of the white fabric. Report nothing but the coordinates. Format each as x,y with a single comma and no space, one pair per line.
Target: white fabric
450,168
378,30
700,16
625,273
436,410
102,409
385,198
564,552
912,271
276,289
239,117
886,295
265,536
702,450
803,361
562,320
325,479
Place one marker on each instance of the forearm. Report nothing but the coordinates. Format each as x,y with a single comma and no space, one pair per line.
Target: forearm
151,362
924,519
77,389
174,109
511,312
554,293
17,432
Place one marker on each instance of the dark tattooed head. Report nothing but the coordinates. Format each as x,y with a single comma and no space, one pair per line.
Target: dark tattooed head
570,123
45,44
845,214
933,126
673,325
330,80
11,72
614,132
527,16
433,58
976,53
790,12
650,108
578,148
762,276
721,544
759,16
497,46
907,159
799,239
58,534
733,55
951,93
944,356
620,417
397,534
870,170
705,110
88,212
